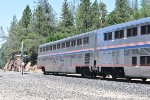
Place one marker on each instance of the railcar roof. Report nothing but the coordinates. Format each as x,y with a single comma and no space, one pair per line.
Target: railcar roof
125,25
65,39
112,28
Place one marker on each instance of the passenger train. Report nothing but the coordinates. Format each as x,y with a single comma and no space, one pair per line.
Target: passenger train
121,50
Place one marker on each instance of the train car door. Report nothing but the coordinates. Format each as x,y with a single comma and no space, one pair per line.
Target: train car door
67,63
72,63
58,64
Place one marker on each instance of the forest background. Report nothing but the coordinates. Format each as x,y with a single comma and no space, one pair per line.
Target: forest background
41,25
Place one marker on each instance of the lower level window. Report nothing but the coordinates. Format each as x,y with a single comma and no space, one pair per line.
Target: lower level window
87,58
134,61
145,60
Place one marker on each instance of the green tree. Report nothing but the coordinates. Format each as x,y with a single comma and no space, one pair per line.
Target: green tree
41,22
25,20
136,12
66,15
135,5
103,14
145,3
83,16
13,41
2,34
95,14
66,19
2,50
49,15
145,8
121,13
57,36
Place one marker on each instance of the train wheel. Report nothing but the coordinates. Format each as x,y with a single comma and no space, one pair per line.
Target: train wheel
110,76
84,74
104,76
144,79
44,72
128,78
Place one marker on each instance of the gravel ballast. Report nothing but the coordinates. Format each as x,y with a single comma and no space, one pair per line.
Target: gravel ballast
14,86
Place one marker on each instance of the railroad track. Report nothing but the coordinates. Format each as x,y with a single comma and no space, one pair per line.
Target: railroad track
107,79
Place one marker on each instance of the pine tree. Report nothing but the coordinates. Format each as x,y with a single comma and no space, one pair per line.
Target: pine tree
49,14
25,20
2,33
83,17
145,8
145,3
13,41
95,14
136,5
121,13
67,21
41,22
133,4
103,13
136,14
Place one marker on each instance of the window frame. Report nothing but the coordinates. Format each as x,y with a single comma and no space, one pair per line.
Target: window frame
63,45
145,30
44,49
108,36
67,44
50,47
58,45
144,60
130,32
86,40
73,43
79,42
41,50
119,34
54,47
47,48
87,58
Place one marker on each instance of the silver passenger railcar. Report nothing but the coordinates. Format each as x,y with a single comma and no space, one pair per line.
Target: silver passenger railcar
124,49
70,55
121,50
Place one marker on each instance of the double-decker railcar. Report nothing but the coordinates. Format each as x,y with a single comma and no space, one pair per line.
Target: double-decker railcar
121,50
124,49
70,55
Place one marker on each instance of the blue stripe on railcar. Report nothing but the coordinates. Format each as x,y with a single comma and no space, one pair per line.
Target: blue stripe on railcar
67,53
127,47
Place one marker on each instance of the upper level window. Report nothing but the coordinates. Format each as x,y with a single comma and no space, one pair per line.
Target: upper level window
119,34
73,43
86,40
79,41
145,29
68,44
44,49
63,45
108,36
54,47
40,49
47,48
132,32
58,46
50,47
